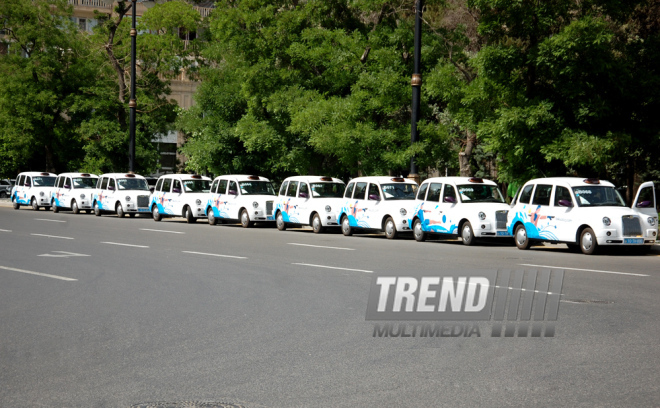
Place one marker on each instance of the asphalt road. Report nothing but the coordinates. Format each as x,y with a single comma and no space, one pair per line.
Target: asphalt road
263,318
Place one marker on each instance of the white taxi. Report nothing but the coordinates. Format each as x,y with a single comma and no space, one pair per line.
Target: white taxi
180,195
33,188
248,199
470,207
309,200
73,191
583,213
377,203
121,193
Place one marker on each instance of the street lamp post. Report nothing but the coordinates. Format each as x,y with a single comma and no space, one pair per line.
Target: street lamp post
132,104
416,83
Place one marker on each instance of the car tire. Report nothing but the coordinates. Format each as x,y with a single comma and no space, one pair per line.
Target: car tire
520,237
97,210
155,214
55,208
346,228
15,204
245,219
467,234
3,194
34,204
317,224
588,242
279,221
211,216
74,207
120,210
418,231
188,214
390,228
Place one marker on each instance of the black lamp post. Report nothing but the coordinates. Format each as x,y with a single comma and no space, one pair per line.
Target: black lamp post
132,104
416,83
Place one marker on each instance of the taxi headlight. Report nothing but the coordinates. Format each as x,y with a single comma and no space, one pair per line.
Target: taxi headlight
403,212
482,215
255,204
41,193
198,202
128,198
82,196
328,208
651,221
606,221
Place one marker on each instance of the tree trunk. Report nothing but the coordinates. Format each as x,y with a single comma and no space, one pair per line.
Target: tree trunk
465,156
630,181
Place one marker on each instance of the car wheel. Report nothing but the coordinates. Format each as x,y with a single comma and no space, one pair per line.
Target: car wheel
15,204
390,228
279,221
55,208
190,218
97,210
155,214
211,216
467,234
346,228
418,232
74,207
3,194
588,243
317,225
520,236
34,204
120,210
245,219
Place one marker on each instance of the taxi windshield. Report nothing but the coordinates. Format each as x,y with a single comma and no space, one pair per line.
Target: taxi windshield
43,181
326,190
256,188
196,186
399,191
598,196
480,193
132,184
84,182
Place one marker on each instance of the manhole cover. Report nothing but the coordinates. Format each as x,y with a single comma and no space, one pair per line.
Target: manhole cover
188,404
601,302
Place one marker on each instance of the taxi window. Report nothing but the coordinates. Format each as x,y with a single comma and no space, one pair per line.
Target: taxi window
214,185
222,187
374,192
68,182
233,188
399,191
434,192
360,191
44,181
196,186
104,183
167,185
562,193
291,191
177,185
27,181
159,185
59,182
449,194
19,182
283,188
542,194
646,197
349,191
327,190
304,190
84,182
421,194
526,194
111,183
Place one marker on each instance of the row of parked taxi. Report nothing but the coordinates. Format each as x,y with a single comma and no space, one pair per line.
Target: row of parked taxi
583,213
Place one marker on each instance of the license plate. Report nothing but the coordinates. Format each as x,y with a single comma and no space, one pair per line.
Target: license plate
634,241
270,218
143,210
503,234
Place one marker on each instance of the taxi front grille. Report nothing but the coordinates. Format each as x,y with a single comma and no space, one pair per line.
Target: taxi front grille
500,218
631,226
269,207
143,201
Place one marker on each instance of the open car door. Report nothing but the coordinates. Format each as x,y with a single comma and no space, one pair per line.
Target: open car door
645,199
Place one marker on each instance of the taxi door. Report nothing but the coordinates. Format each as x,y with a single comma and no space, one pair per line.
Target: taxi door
66,193
357,215
374,205
291,204
110,196
645,200
447,208
560,215
176,198
232,200
304,203
433,216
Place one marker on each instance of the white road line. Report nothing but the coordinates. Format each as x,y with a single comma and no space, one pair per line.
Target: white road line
222,256
64,278
63,254
46,219
320,246
333,267
586,270
1,230
155,230
51,236
128,245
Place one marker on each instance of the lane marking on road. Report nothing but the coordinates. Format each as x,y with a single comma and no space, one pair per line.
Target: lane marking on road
219,255
46,219
3,230
128,245
586,270
321,246
157,230
63,254
64,278
51,236
333,267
